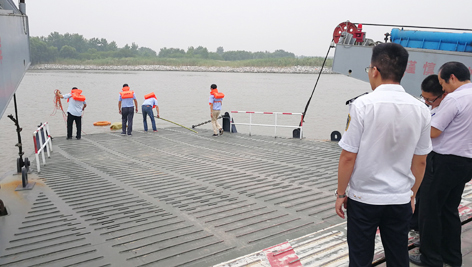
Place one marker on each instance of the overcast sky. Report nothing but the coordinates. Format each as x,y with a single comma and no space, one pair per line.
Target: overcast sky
303,27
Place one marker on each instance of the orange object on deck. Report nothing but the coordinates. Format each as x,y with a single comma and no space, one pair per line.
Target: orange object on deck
101,123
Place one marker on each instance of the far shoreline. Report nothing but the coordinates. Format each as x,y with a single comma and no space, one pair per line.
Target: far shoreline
291,70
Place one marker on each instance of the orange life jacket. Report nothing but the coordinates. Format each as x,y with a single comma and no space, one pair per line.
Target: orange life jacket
150,95
77,92
217,95
78,97
126,88
126,94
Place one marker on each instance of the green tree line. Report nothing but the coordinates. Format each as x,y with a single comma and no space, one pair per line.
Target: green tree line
75,49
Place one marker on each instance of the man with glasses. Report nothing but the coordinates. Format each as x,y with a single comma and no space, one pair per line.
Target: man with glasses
432,94
449,168
383,160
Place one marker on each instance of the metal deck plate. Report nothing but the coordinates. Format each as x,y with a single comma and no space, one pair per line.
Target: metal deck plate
175,198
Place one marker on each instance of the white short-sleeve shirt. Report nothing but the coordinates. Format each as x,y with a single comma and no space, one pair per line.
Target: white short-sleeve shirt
386,128
454,118
75,107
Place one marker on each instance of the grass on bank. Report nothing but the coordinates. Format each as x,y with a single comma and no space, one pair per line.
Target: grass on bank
178,62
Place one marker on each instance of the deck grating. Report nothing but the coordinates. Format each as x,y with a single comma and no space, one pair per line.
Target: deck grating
173,199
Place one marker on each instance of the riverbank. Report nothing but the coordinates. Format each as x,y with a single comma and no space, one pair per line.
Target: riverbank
294,69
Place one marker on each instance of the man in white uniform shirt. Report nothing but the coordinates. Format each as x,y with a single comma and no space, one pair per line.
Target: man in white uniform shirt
449,168
383,160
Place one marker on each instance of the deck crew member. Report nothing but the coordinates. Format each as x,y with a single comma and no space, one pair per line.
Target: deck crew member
215,101
432,94
150,101
125,107
383,161
449,169
74,110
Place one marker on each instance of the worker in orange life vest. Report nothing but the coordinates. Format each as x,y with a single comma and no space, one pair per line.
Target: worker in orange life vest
215,102
74,110
150,102
125,108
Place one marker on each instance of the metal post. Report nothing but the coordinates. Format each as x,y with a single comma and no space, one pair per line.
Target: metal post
49,136
250,123
275,133
41,147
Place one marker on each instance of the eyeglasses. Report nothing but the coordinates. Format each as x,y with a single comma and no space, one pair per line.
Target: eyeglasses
430,101
367,69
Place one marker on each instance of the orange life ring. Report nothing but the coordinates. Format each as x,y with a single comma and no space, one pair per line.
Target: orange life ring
101,123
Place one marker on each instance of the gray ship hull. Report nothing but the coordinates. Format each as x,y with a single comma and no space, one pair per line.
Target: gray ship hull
14,50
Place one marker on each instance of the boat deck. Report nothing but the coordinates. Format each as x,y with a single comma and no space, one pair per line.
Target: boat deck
175,198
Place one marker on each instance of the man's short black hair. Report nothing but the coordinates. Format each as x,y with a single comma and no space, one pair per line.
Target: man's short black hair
213,86
431,85
125,85
74,88
459,70
391,60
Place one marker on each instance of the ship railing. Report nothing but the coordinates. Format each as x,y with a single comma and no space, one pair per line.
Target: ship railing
42,141
275,125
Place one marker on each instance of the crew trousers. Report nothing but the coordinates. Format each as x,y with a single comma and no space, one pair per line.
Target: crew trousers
147,111
127,115
78,122
214,121
439,221
362,222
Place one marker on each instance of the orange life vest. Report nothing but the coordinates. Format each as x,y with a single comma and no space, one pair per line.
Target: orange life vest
126,94
217,95
78,91
150,95
78,97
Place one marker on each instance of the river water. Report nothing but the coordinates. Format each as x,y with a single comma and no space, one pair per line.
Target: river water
183,98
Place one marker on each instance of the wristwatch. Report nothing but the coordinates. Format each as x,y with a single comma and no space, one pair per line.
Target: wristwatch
339,196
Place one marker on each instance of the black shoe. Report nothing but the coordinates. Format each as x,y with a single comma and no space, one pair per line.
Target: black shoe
68,138
221,131
215,135
416,259
123,133
129,134
78,138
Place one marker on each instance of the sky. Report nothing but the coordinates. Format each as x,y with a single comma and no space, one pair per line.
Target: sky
303,27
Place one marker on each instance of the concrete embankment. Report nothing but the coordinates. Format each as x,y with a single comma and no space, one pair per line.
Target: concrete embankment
294,69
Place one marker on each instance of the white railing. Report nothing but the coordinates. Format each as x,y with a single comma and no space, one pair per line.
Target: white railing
275,125
43,134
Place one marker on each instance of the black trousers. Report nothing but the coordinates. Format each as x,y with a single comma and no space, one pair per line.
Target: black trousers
362,222
127,115
78,122
439,221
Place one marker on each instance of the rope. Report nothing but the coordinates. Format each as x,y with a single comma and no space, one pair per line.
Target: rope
178,125
58,106
205,122
319,74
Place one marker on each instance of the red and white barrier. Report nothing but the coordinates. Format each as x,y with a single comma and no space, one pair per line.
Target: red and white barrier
275,125
39,148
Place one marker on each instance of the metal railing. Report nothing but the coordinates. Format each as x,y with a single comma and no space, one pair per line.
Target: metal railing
275,125
42,138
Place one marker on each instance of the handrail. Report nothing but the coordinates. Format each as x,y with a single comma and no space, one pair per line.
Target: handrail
43,134
275,125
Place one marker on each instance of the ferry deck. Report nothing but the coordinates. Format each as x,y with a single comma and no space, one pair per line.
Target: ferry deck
176,198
